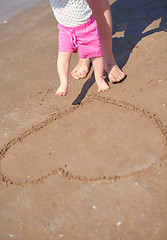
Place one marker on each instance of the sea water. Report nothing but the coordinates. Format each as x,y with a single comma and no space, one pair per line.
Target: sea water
9,8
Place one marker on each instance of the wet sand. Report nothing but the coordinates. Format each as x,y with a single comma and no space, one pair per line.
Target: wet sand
85,166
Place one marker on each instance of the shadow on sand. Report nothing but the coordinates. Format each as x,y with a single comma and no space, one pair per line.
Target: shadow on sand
132,18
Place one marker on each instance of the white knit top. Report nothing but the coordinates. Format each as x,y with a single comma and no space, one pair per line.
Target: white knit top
71,13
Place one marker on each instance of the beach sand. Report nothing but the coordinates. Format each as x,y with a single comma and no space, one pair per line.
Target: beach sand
85,166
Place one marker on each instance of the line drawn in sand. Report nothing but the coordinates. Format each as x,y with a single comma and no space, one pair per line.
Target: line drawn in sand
63,170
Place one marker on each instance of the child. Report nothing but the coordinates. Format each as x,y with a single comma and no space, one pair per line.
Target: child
77,31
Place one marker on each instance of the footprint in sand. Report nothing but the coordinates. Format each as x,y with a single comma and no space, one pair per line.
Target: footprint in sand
102,139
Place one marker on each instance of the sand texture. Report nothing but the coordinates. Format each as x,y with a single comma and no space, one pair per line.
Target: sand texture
84,166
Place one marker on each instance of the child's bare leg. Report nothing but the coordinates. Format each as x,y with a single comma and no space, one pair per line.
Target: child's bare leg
98,71
63,64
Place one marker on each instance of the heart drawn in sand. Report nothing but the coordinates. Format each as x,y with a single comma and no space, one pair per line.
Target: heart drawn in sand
100,140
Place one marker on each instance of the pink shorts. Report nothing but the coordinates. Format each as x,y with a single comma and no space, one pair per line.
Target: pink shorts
84,38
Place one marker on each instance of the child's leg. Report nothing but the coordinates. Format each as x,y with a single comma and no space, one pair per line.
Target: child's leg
98,71
63,64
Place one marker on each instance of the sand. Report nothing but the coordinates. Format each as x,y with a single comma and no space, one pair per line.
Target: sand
88,165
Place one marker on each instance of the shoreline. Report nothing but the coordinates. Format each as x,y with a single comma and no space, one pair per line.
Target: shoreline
15,35
8,13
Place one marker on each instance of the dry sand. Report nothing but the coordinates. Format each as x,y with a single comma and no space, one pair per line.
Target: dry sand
95,170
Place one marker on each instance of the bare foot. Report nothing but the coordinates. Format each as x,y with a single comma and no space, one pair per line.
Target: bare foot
62,90
82,69
102,85
114,72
